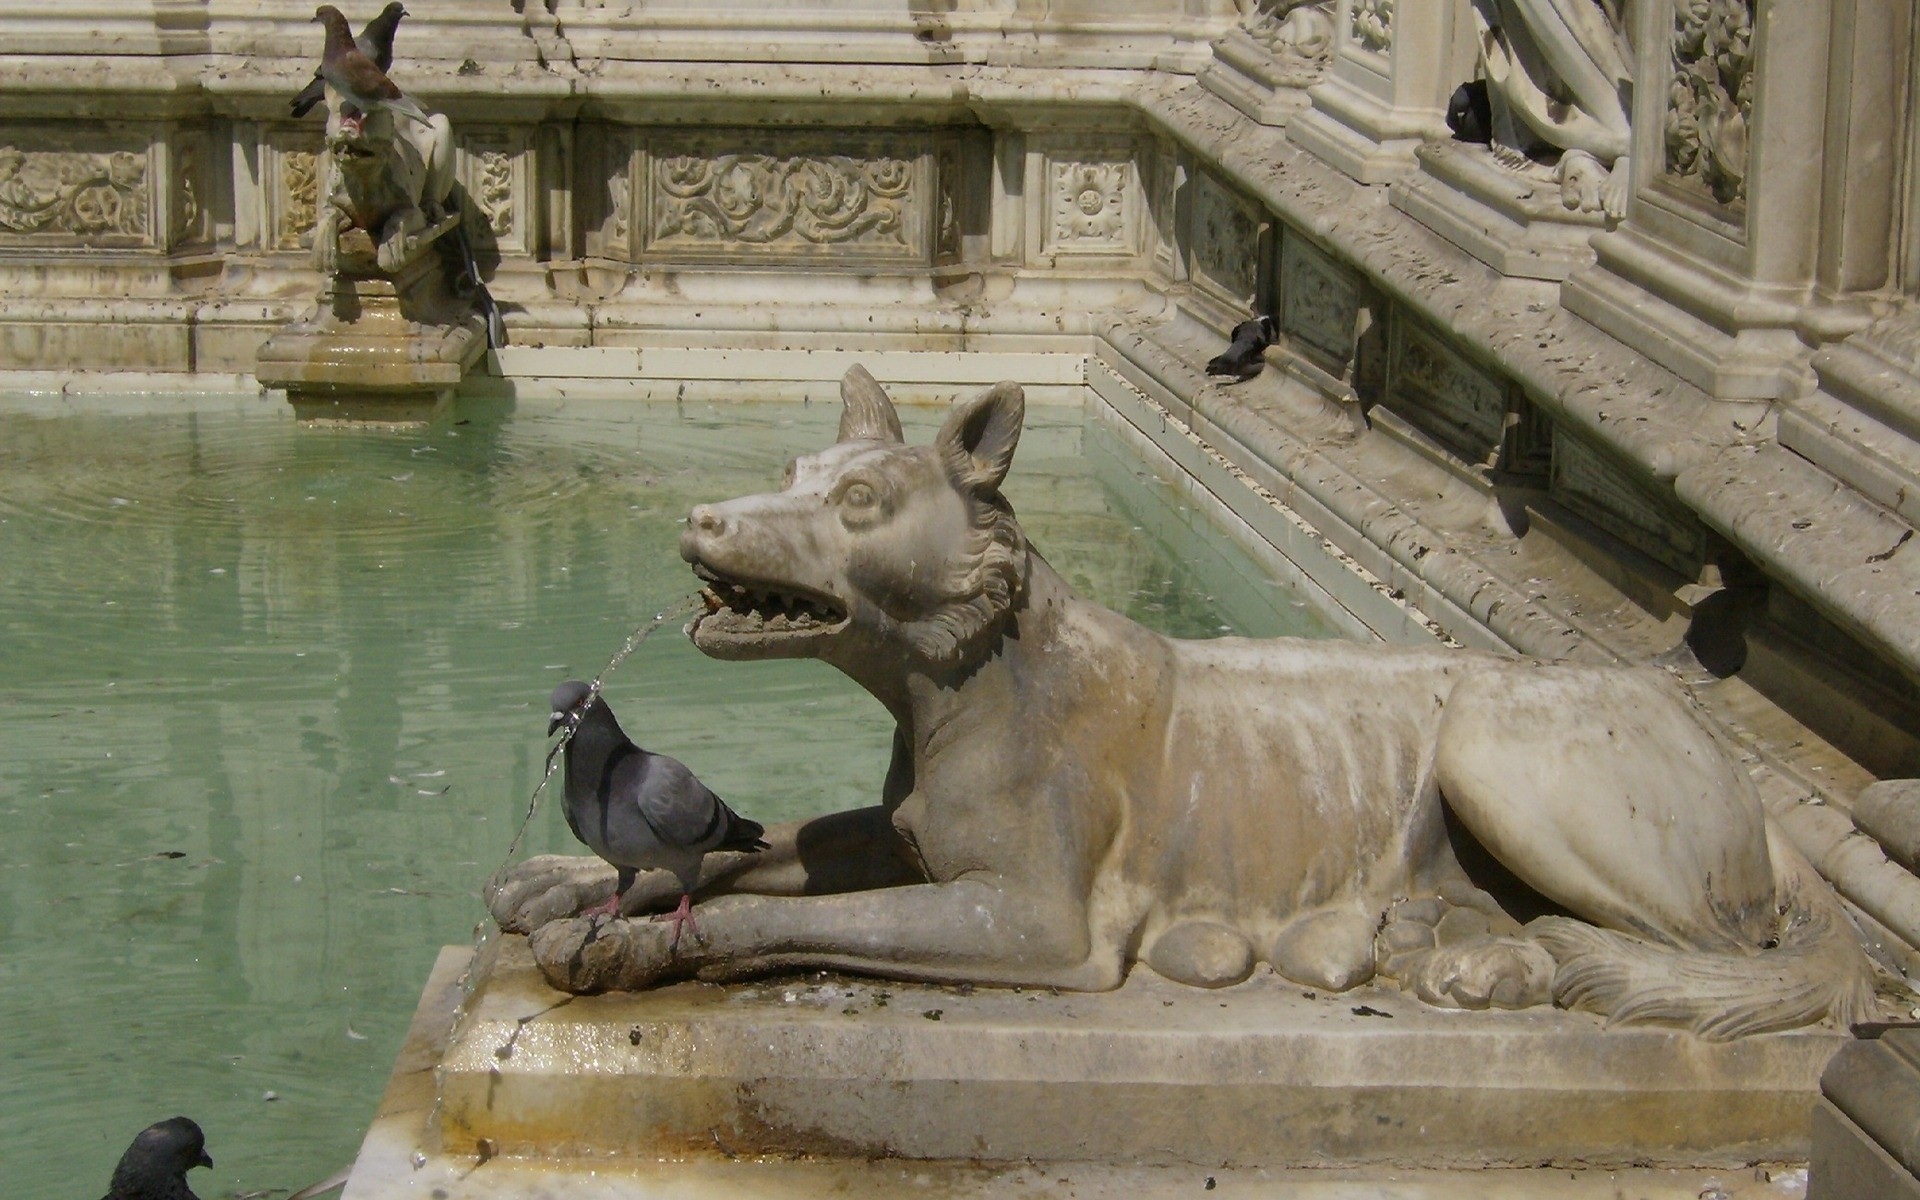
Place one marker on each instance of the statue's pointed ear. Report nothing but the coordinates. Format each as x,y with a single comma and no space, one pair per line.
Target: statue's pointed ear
978,439
868,415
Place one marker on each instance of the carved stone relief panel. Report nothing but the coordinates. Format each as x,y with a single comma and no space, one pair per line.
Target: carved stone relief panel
292,160
1590,483
948,192
1164,173
1710,99
1092,195
1226,240
495,166
1370,25
77,188
1438,390
1320,301
760,195
187,178
610,189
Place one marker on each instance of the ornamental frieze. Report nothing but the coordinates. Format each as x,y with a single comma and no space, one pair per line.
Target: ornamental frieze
92,197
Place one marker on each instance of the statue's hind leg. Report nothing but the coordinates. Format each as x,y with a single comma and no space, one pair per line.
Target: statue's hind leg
1601,790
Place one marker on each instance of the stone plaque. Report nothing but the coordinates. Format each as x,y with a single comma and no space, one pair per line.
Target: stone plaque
1437,389
1589,482
1226,239
759,195
1320,300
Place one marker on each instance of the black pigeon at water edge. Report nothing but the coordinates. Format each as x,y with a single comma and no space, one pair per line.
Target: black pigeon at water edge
155,1166
639,810
375,41
1244,357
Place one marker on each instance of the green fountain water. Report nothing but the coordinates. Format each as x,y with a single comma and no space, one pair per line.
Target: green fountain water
272,702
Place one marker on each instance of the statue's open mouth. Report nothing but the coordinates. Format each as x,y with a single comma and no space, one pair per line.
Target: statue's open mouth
764,614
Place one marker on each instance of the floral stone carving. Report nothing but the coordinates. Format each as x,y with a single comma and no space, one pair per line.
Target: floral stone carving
1710,100
1089,206
91,196
783,201
1071,792
1370,24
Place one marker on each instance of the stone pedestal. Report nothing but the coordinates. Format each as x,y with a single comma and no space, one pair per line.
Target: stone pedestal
1866,1130
1263,1074
377,347
1394,66
1510,218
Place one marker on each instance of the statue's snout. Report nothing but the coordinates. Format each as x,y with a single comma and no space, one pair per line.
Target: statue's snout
707,525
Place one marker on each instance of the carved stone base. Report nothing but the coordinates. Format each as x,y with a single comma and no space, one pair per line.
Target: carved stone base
1267,87
1511,220
1732,339
1864,1130
1153,1074
1863,425
376,348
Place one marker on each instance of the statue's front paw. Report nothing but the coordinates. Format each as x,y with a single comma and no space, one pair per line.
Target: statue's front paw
600,954
545,888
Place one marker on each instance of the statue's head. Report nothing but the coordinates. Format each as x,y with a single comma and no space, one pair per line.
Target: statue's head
871,547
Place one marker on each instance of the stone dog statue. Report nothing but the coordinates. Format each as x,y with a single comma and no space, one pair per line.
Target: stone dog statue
1071,792
391,182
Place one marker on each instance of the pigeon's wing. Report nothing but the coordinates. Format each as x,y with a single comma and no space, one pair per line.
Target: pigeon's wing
680,810
310,95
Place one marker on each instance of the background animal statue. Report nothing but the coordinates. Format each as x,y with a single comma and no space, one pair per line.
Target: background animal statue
1071,792
392,180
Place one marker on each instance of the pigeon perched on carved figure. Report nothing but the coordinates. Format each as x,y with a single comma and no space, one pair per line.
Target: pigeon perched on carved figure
375,41
155,1166
1243,358
360,82
639,810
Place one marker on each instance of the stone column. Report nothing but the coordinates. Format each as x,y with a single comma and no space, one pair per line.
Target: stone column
1760,203
1395,63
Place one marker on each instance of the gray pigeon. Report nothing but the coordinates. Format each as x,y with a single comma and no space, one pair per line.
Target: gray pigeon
375,41
155,1166
639,810
361,83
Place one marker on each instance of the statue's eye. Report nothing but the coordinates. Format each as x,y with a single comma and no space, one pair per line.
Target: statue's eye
857,495
786,479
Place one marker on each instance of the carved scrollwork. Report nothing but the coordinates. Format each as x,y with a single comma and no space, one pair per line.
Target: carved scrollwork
1710,101
74,193
770,200
1370,23
494,190
299,197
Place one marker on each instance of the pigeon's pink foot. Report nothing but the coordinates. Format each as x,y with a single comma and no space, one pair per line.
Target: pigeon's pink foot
610,907
681,917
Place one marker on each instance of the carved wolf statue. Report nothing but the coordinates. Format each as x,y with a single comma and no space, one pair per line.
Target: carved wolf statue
1071,792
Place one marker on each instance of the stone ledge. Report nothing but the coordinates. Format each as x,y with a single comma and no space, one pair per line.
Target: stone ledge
1259,1075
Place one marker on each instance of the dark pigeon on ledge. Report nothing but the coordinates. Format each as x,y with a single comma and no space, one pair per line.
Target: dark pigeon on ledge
639,810
375,41
1470,113
355,76
155,1166
1242,359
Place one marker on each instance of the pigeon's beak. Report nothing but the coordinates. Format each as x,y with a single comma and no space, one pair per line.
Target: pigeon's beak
205,1160
555,720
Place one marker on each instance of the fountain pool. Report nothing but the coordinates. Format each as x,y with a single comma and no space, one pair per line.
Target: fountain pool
271,703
